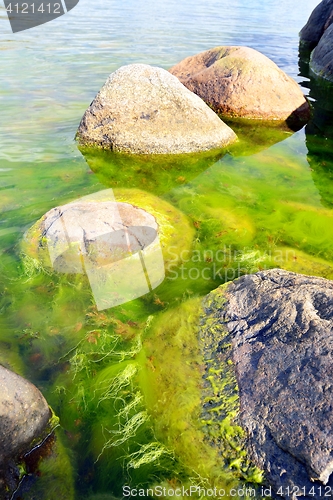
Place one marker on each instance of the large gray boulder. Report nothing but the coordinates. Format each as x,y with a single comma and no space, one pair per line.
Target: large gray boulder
277,329
241,82
321,61
143,109
320,19
24,415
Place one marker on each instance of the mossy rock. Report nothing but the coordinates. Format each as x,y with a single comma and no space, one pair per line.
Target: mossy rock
174,228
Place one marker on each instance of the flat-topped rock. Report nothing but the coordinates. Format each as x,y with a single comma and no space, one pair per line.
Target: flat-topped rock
241,82
124,249
277,329
145,110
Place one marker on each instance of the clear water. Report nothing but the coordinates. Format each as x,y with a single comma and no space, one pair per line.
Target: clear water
119,380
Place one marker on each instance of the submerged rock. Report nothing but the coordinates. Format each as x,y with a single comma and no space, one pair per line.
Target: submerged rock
24,423
124,249
24,414
277,329
242,82
144,110
320,19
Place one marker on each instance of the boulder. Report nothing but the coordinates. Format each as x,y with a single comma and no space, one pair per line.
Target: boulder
24,416
321,60
145,110
124,249
320,19
275,328
241,82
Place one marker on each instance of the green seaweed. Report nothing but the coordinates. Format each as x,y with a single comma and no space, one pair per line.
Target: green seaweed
127,382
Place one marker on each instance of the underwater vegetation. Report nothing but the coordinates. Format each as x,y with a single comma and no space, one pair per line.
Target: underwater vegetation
128,384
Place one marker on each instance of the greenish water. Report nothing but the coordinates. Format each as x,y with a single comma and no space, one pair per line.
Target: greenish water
125,382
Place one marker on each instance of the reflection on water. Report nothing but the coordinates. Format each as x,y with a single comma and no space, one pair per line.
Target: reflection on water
319,133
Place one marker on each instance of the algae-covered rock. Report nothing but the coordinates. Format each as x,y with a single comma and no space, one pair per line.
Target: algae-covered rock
276,328
49,472
179,391
123,248
242,82
174,228
25,421
144,110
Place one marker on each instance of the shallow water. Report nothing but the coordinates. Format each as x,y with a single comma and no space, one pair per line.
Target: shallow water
119,379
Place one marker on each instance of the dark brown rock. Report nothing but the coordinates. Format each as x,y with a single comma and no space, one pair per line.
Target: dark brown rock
321,62
280,328
241,82
320,19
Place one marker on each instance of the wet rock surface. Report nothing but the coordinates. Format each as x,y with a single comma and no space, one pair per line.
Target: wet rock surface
278,327
24,414
241,82
145,110
321,61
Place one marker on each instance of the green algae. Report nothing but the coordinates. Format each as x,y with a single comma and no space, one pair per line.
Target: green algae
55,474
175,396
126,383
220,392
153,173
255,136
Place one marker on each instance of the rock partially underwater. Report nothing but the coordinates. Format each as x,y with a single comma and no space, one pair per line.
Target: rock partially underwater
316,41
321,18
321,61
25,421
123,249
145,110
275,328
241,82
